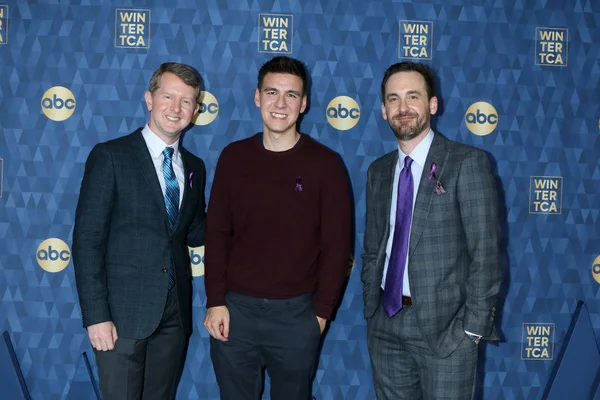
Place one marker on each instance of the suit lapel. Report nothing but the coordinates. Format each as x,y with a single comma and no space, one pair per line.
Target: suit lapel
141,153
438,155
384,195
385,189
186,182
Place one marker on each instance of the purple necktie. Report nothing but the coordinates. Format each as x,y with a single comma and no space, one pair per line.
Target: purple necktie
392,294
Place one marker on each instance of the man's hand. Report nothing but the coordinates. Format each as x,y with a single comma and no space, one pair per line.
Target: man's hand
322,323
216,322
103,336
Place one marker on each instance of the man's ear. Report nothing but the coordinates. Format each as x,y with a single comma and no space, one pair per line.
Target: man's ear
433,105
148,98
257,98
383,111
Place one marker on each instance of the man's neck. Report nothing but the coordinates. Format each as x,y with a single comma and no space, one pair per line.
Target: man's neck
280,141
408,146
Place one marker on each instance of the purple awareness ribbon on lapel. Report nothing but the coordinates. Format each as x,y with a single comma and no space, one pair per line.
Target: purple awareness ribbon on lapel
392,293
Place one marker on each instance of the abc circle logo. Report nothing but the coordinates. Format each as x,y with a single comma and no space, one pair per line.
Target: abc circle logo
343,113
209,109
596,269
58,103
53,255
481,118
197,260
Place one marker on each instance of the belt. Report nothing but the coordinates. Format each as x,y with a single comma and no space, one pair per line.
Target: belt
406,300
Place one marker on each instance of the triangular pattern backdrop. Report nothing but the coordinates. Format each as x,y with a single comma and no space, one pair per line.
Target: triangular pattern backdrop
535,62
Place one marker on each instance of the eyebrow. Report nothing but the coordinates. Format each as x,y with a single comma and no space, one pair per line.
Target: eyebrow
174,94
414,91
266,89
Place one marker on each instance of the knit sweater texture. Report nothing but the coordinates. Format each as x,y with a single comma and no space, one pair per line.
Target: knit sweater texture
279,224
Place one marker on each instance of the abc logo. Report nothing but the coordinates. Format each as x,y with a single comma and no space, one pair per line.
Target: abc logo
58,103
481,118
53,255
209,108
343,113
197,260
596,269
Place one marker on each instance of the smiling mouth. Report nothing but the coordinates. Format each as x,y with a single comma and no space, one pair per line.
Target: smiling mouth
405,117
277,115
172,119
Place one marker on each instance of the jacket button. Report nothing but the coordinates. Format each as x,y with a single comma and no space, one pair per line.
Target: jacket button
164,270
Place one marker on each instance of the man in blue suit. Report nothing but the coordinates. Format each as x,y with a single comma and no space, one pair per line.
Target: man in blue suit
141,204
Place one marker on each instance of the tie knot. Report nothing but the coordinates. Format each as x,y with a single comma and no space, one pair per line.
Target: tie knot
407,162
168,152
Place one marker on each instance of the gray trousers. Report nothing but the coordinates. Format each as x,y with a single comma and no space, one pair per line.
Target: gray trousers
405,368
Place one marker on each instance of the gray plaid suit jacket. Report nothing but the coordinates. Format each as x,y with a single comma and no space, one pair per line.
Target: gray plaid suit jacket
121,240
454,257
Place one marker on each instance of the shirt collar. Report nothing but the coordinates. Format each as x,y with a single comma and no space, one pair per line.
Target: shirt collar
156,144
419,154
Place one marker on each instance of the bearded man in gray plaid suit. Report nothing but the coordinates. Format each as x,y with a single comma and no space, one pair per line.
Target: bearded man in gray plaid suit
431,266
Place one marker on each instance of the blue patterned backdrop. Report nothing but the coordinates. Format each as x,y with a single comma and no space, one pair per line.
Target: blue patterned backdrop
534,65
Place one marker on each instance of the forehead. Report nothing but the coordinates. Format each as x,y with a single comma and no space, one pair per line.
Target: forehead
170,81
282,81
404,81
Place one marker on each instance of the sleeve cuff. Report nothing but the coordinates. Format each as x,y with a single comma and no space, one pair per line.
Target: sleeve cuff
323,311
95,316
215,301
473,335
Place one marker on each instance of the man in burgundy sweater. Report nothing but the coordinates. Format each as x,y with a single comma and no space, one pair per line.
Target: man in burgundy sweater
278,246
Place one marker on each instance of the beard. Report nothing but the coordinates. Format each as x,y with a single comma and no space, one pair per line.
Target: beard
408,130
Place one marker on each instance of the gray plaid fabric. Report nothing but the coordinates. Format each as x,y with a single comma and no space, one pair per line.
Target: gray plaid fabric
454,260
406,368
122,243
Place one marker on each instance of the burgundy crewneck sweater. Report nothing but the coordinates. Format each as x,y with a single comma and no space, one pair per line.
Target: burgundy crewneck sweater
278,224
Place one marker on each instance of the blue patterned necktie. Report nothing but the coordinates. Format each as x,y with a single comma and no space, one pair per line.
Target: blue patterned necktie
392,294
171,200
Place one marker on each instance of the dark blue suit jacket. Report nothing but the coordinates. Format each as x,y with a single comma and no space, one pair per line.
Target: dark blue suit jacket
121,240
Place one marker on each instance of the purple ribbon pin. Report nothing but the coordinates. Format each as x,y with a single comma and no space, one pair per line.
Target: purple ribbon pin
190,179
432,172
298,184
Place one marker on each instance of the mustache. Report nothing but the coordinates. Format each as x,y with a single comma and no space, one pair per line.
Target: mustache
403,115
